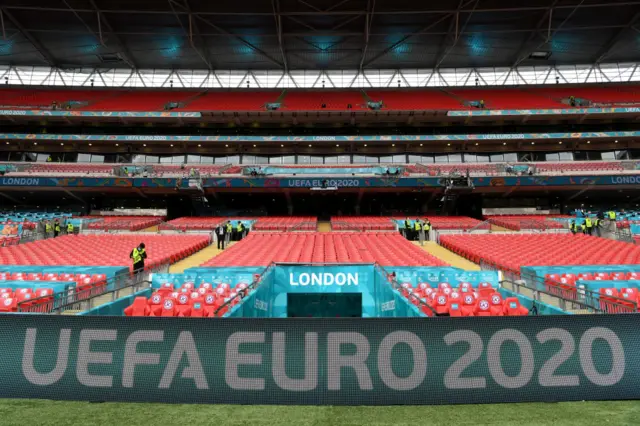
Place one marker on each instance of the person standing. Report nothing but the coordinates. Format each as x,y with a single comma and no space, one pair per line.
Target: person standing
138,255
596,226
229,231
417,228
427,228
69,228
240,230
573,227
220,235
407,229
588,225
56,228
48,229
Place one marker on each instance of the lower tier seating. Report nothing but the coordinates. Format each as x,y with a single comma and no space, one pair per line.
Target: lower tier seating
387,249
511,251
205,301
108,250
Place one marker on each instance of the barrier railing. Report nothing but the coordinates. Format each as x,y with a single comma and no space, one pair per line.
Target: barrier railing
574,296
243,293
412,298
59,302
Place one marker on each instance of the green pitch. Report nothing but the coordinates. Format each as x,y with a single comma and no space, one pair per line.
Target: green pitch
36,413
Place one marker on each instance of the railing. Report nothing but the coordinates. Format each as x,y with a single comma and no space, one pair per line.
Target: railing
243,293
84,302
574,297
61,301
411,298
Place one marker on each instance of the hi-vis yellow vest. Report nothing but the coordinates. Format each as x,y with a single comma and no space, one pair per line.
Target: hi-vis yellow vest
137,255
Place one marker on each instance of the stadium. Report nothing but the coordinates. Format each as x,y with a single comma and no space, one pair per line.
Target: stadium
307,212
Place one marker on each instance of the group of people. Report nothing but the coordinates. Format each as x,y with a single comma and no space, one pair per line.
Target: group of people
590,225
54,228
418,231
226,232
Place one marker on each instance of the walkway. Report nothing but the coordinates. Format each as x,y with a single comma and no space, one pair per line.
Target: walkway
153,228
195,259
448,256
324,226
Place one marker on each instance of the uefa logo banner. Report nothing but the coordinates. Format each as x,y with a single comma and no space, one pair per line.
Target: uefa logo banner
341,361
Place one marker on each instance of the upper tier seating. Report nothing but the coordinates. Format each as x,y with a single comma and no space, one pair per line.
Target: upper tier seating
286,223
441,223
610,95
578,166
363,223
312,100
103,250
122,223
508,98
137,100
334,100
420,99
261,249
193,223
232,101
511,251
71,168
520,222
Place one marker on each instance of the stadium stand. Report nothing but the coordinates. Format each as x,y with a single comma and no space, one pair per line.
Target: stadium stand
362,223
231,101
324,100
441,223
189,300
122,223
192,223
462,300
312,100
521,222
96,250
511,251
261,249
508,98
416,100
286,223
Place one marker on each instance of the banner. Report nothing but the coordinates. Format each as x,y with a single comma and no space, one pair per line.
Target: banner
338,138
327,361
10,230
554,111
129,114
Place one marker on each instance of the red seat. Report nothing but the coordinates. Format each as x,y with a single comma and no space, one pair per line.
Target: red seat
197,308
441,303
183,306
468,304
513,308
139,308
8,304
455,309
155,304
482,307
168,308
485,289
496,304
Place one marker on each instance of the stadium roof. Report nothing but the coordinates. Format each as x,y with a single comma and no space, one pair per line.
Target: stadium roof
317,34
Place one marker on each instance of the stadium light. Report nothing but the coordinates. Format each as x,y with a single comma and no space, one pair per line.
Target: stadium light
540,54
533,143
226,146
117,144
560,142
421,144
588,141
504,143
144,144
616,141
7,143
199,146
35,143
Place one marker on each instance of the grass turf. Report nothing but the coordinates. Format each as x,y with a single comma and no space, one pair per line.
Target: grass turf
36,413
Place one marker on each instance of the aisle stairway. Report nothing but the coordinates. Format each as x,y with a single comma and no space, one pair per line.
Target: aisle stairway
496,228
445,255
196,259
153,228
324,226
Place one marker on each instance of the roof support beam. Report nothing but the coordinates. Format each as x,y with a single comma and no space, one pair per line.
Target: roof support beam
276,14
125,54
610,44
403,40
371,4
316,11
550,34
455,25
547,16
241,40
46,55
193,28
